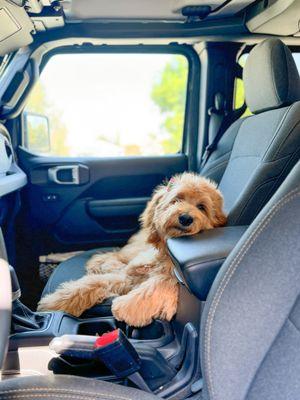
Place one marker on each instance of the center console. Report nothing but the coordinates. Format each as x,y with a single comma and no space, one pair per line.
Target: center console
29,351
167,352
166,355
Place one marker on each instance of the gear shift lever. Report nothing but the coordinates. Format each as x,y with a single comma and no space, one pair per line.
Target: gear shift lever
23,319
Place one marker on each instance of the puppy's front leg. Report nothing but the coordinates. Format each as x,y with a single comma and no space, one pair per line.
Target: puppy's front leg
75,297
155,298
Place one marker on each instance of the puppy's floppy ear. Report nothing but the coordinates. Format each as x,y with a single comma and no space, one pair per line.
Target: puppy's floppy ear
219,218
147,218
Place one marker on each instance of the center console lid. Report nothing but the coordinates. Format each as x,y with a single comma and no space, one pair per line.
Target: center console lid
198,258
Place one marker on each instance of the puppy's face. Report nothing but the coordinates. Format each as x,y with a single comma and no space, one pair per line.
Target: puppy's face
187,205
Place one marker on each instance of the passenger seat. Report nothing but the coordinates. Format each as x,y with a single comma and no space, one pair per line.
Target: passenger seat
254,155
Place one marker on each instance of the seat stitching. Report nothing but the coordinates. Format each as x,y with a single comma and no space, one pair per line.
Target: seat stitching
256,188
279,126
284,139
217,166
293,324
275,179
229,274
245,156
35,389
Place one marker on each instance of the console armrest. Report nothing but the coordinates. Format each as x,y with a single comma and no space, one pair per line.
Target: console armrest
198,258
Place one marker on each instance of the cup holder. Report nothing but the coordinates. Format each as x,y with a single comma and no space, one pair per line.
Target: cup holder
96,327
150,332
157,333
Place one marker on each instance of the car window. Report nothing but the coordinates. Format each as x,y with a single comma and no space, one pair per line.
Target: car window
239,89
108,105
296,57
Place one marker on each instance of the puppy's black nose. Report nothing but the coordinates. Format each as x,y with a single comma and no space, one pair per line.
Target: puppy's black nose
185,219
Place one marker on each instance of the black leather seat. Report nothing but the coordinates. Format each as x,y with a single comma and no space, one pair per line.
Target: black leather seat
254,155
250,325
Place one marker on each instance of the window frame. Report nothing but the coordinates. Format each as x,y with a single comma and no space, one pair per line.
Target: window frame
191,110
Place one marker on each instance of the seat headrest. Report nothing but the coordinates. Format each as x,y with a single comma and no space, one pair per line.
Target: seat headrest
270,77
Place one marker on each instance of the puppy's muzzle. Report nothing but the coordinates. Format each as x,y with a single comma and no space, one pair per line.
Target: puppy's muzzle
185,220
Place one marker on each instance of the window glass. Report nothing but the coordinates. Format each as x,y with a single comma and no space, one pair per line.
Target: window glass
108,105
239,90
297,60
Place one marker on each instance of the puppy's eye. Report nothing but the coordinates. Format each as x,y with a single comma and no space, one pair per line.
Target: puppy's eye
176,199
201,207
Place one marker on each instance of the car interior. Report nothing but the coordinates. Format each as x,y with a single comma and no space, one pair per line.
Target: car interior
100,102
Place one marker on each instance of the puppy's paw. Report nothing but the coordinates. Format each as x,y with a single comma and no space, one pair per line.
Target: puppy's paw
124,309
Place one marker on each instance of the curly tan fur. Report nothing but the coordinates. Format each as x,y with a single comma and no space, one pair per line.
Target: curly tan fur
140,275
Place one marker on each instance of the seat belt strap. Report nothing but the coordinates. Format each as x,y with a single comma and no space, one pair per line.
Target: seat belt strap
224,122
217,114
220,120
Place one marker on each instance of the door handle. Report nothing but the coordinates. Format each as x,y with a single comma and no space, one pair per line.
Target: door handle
72,178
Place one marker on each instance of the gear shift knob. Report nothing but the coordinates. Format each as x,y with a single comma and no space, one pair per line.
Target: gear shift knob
15,286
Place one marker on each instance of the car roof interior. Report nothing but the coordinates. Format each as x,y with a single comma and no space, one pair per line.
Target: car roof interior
140,21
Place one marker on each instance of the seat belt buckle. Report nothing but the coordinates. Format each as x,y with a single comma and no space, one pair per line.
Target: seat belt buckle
113,349
117,353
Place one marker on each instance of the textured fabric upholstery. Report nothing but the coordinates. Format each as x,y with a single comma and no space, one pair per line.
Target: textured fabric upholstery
266,148
270,77
218,161
67,387
251,322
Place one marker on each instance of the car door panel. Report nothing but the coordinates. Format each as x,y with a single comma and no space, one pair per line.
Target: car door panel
101,206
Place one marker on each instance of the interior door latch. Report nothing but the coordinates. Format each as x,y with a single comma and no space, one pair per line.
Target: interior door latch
64,174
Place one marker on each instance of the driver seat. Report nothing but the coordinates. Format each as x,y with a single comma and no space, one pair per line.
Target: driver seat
250,333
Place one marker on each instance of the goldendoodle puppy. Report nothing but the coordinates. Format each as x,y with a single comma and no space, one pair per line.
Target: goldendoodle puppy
141,273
